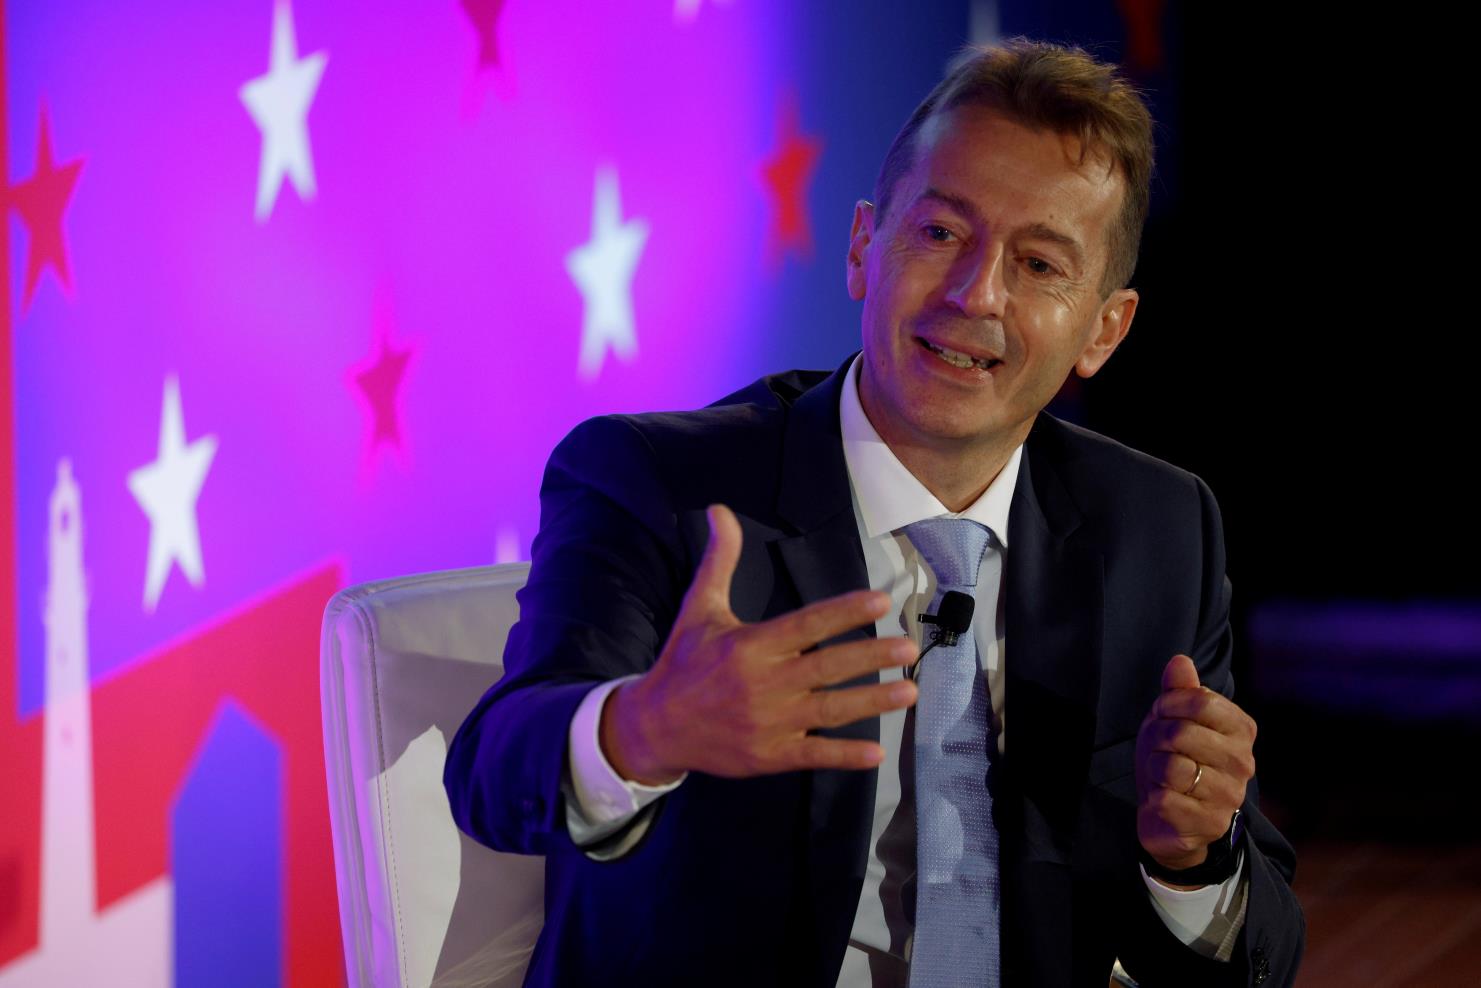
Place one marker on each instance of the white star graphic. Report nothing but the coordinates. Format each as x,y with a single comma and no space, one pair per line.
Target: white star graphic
279,103
167,490
603,269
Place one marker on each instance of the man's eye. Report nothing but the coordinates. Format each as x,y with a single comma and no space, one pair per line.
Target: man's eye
938,233
1039,266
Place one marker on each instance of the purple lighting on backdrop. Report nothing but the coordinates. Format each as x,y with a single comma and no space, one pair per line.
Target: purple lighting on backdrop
389,254
1398,662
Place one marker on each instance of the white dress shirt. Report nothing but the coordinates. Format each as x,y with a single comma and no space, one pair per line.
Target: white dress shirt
886,498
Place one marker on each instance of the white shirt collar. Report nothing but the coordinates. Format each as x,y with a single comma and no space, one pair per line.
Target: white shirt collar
888,495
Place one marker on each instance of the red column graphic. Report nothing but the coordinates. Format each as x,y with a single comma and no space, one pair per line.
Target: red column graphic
149,721
20,744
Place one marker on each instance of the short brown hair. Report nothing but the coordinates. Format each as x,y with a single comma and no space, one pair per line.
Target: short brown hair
1048,87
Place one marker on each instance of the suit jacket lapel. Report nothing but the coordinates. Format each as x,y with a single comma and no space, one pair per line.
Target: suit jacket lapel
1054,624
825,559
1053,635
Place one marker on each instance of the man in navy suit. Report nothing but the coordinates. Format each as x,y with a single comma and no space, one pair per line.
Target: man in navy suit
703,723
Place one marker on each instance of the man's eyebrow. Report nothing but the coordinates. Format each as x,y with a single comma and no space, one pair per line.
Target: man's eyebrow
1042,231
1036,231
956,202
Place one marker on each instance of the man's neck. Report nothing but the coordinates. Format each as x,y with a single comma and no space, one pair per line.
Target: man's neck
955,471
958,474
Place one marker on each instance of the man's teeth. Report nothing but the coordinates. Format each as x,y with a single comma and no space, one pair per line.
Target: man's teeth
957,359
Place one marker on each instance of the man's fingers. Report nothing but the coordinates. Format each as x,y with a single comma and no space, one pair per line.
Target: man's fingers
840,663
1212,710
1204,745
1179,773
814,752
1180,674
710,590
1172,771
807,626
834,708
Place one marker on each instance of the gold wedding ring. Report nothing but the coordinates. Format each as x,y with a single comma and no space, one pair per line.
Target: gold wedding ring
1196,779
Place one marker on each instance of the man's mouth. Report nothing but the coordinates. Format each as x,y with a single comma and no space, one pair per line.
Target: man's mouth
958,359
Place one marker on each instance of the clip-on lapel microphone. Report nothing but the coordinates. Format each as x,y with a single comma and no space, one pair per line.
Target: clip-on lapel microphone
951,620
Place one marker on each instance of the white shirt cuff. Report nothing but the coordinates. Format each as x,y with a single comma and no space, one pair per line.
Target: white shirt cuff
1207,919
604,800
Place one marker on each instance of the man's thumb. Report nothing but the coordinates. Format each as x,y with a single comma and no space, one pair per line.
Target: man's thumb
1180,674
712,579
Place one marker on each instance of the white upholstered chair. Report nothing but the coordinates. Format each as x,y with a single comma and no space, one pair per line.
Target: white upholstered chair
401,663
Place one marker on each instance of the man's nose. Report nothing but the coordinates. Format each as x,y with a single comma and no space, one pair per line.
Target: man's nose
977,286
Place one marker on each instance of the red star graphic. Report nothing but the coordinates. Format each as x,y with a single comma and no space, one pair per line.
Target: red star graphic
787,174
380,380
40,200
1143,20
485,17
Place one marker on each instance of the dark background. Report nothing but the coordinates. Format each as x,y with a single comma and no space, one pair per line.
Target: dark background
1304,343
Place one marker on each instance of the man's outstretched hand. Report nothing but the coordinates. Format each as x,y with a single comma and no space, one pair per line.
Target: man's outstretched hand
1188,727
736,699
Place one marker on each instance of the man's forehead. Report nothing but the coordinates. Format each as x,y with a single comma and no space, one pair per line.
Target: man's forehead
1071,180
1094,162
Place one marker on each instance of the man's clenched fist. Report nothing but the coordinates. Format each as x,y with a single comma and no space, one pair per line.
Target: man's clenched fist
1195,753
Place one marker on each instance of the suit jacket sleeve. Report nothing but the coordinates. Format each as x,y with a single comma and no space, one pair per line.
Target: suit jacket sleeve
606,577
1273,936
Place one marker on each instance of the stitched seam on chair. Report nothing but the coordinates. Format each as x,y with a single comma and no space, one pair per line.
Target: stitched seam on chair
497,575
360,897
382,793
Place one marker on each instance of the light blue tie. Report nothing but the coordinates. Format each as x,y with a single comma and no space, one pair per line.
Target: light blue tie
958,905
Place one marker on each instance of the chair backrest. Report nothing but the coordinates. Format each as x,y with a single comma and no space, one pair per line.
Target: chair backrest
401,663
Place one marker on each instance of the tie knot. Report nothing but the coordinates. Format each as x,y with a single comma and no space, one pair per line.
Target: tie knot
952,546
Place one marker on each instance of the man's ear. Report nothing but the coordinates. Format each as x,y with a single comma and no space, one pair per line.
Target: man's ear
1110,330
859,238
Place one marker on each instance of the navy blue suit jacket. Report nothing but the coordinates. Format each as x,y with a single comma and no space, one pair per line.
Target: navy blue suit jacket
1117,564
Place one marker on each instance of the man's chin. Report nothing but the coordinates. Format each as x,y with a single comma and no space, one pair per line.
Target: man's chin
952,430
